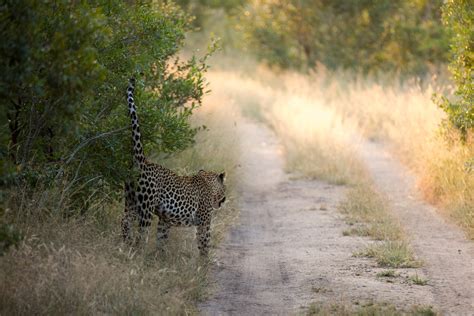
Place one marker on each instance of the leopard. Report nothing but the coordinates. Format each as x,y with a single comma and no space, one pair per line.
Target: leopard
176,200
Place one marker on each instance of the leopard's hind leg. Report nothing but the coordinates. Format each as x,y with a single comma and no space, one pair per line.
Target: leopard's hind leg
130,211
144,221
135,208
162,231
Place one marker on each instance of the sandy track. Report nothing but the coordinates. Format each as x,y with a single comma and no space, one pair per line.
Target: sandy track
447,255
288,249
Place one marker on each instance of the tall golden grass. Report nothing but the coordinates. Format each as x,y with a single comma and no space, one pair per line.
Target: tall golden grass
405,116
316,140
79,265
320,118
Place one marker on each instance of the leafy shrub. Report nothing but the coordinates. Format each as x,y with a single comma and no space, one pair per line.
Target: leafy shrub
458,16
9,236
65,66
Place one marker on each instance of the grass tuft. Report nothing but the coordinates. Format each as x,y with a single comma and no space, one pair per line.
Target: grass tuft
387,274
423,311
418,280
394,254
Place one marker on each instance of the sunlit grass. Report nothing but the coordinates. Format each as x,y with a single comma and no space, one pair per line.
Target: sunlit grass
320,117
315,139
405,116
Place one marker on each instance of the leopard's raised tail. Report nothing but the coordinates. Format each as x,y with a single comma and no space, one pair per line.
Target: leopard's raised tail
176,200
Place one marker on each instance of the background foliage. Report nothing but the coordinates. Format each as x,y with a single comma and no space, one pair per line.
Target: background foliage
397,39
203,10
363,35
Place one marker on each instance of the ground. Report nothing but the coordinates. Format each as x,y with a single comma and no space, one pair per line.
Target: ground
447,255
288,249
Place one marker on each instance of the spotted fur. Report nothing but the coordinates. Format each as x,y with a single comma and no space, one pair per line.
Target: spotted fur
176,200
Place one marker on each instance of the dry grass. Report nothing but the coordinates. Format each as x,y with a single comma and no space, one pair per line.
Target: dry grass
368,212
320,117
314,137
405,116
79,265
74,267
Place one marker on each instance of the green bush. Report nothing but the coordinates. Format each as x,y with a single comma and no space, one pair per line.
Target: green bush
458,16
9,236
366,36
65,66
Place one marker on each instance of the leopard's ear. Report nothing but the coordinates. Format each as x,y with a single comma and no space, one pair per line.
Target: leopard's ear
222,176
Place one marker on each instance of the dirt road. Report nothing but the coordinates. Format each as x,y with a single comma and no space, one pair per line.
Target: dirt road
448,257
288,249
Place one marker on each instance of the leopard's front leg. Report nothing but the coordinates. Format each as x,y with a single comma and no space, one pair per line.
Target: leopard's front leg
203,235
144,222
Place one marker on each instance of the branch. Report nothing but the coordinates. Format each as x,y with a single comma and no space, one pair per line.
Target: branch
87,141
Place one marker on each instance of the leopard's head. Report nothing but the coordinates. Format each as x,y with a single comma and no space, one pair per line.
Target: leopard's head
216,183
